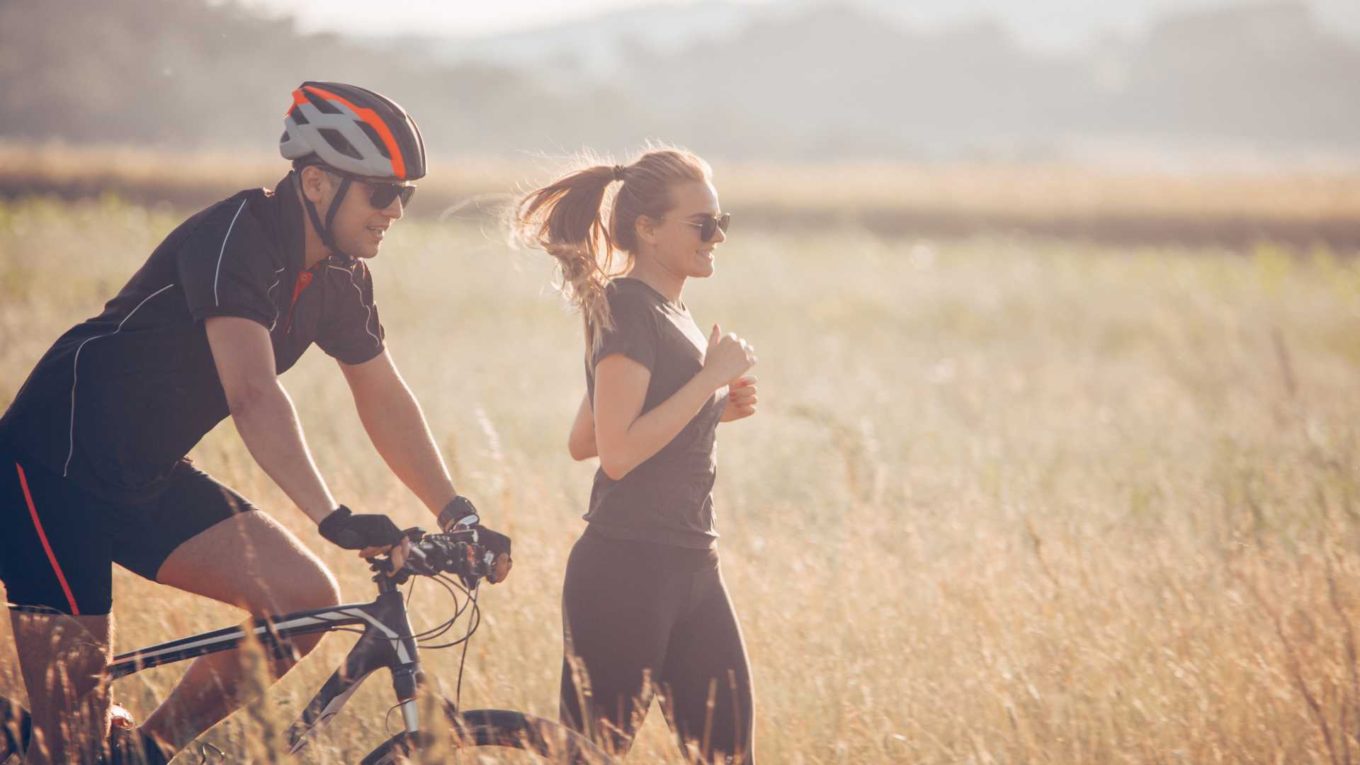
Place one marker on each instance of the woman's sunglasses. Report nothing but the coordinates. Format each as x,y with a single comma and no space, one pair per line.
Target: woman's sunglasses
380,193
708,227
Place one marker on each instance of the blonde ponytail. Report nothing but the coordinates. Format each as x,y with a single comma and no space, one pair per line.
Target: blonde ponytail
564,219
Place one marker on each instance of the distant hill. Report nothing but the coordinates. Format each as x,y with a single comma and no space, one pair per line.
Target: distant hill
817,80
595,47
595,44
839,79
1074,25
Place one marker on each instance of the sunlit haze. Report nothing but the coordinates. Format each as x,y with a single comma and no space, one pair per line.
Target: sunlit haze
458,17
1036,23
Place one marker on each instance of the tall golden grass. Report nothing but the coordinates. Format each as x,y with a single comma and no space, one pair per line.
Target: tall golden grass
1006,499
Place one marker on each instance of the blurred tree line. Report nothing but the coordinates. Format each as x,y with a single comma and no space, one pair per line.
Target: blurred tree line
832,82
187,73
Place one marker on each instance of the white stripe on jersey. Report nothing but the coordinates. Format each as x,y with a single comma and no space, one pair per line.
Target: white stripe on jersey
366,306
223,251
75,372
270,294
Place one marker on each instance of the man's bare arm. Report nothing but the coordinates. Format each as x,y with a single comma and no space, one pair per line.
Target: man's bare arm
264,414
396,426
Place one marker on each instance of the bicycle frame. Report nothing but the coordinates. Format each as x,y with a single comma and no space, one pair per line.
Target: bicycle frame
386,642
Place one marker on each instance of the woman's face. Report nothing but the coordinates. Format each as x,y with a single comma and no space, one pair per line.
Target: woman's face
676,243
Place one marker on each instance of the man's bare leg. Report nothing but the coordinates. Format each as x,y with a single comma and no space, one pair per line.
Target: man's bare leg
62,659
251,562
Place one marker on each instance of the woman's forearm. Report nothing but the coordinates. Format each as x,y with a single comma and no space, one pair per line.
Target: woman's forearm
622,451
581,441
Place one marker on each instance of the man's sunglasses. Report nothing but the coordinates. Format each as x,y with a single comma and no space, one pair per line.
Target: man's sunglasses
708,227
380,193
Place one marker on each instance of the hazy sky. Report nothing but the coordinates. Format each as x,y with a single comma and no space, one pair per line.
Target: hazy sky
470,17
1046,23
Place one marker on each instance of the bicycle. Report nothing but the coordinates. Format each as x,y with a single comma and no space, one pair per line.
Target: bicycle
386,642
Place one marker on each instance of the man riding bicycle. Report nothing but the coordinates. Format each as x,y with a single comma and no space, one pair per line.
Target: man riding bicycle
92,449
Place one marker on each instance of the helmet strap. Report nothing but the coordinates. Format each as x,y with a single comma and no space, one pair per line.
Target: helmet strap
324,229
335,208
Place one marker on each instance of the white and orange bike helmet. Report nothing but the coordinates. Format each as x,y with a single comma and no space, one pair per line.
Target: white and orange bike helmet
354,133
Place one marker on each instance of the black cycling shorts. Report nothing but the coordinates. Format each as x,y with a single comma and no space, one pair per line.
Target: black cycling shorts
58,542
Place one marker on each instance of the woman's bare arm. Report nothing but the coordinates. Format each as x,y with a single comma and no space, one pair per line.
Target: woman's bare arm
624,436
581,442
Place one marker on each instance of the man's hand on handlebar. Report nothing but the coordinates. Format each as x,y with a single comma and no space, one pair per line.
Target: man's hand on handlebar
453,552
370,534
460,515
374,534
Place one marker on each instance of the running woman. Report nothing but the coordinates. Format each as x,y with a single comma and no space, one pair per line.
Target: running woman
644,606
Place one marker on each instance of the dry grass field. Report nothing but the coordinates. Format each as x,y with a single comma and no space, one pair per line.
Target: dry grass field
1125,204
1006,499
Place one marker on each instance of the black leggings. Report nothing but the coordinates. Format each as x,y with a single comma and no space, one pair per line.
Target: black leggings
640,617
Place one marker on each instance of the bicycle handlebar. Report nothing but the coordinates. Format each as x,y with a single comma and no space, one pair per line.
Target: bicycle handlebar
447,553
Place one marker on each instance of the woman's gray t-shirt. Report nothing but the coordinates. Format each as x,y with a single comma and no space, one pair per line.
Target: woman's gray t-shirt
668,498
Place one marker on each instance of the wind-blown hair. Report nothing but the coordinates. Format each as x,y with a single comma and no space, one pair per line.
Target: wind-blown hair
566,219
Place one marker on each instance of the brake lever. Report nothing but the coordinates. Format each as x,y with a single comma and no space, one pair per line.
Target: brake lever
473,577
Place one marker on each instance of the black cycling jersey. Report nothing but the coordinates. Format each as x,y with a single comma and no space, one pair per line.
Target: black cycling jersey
122,397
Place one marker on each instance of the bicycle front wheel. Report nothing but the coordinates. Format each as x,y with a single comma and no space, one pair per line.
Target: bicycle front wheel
495,728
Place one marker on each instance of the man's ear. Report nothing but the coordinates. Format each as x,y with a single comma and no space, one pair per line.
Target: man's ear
314,183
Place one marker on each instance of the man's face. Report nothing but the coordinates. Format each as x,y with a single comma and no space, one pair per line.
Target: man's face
358,228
